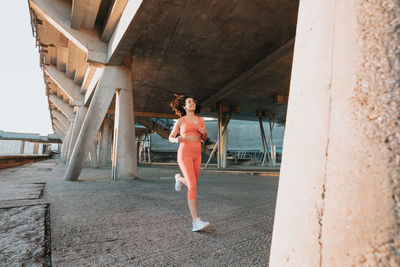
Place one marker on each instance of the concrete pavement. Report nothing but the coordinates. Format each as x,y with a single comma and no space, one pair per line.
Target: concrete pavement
99,222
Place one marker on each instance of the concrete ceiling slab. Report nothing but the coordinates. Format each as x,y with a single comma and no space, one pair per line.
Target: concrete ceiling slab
199,47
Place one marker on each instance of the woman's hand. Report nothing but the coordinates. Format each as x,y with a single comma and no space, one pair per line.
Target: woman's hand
179,139
202,130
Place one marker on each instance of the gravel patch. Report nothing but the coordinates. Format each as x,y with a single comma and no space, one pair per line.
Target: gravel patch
24,236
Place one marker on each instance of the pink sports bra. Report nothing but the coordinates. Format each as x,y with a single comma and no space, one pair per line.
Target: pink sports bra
189,129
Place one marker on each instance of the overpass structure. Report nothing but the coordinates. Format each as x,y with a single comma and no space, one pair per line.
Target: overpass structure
51,138
106,63
92,52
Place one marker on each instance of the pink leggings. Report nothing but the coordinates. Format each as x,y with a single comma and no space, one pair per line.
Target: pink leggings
189,160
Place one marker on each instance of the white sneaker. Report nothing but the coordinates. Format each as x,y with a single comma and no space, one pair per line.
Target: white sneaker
178,185
199,225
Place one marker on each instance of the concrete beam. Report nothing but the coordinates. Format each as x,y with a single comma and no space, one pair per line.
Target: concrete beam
67,85
60,125
56,128
91,69
58,132
62,53
126,32
80,73
58,14
76,61
84,13
155,115
92,85
61,118
113,17
267,62
63,107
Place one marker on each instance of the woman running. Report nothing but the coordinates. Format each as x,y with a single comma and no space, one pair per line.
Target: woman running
192,131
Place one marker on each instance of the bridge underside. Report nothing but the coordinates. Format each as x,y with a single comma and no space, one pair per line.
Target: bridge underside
106,63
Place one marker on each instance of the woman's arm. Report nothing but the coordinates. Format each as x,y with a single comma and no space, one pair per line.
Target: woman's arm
172,137
203,130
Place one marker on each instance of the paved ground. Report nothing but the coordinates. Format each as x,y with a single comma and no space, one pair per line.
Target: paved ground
99,222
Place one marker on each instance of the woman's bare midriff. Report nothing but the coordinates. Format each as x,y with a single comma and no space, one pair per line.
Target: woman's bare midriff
192,138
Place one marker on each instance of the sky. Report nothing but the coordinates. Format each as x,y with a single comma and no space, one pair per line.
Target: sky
23,101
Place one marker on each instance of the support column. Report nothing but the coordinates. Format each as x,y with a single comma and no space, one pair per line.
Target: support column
93,155
65,145
104,142
68,143
45,148
339,187
110,142
113,77
35,148
62,151
223,121
273,148
22,147
80,116
124,149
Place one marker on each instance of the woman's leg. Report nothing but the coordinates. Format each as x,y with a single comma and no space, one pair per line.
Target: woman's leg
187,168
197,166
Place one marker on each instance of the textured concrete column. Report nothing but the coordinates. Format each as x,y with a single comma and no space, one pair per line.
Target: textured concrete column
124,154
104,142
35,148
93,155
64,150
69,141
338,196
80,116
109,81
110,142
22,147
222,137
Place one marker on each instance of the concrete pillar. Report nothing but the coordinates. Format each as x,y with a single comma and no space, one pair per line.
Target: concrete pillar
65,145
339,187
93,155
124,164
80,116
35,148
62,150
68,142
104,142
223,121
111,79
110,142
45,148
22,147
